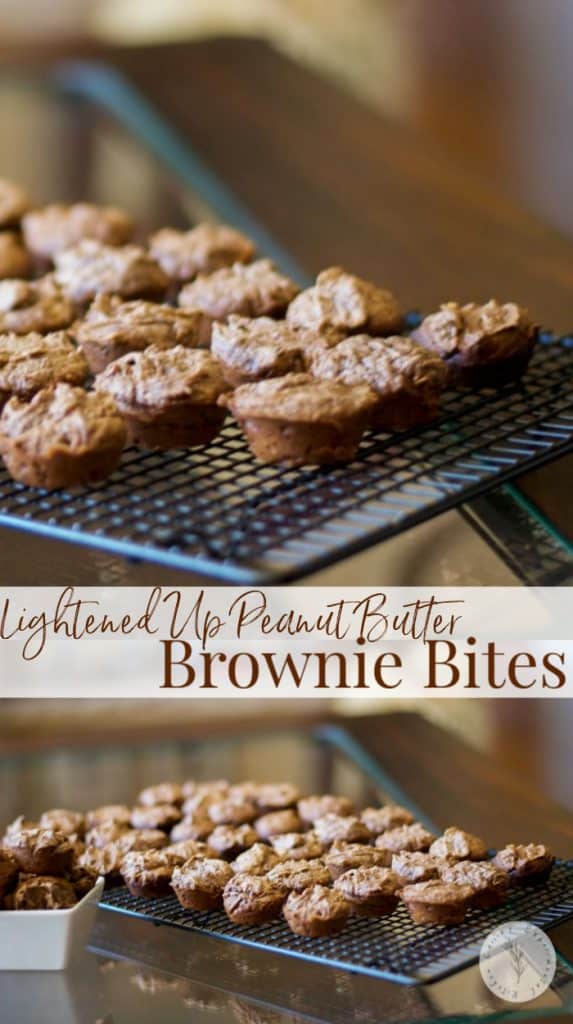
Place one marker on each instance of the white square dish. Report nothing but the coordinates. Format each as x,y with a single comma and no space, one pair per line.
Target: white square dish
46,940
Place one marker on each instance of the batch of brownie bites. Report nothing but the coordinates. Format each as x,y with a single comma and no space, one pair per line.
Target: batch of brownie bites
106,343
260,850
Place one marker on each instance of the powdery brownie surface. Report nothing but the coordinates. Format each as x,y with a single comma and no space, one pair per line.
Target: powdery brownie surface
136,325
343,302
34,361
202,250
257,289
484,333
27,306
92,268
62,416
254,349
300,398
389,366
51,229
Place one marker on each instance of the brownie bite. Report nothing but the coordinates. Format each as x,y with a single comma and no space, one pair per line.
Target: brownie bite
526,864
370,891
230,840
343,856
255,289
341,828
316,912
257,860
28,306
161,793
156,816
252,899
456,844
104,861
199,884
340,303
414,838
202,250
302,421
380,819
167,397
119,813
51,229
296,875
311,808
15,260
481,346
410,866
278,823
71,823
147,873
488,882
196,826
298,845
190,849
40,851
14,203
437,902
31,362
111,328
44,892
251,350
63,437
232,810
276,796
407,378
92,268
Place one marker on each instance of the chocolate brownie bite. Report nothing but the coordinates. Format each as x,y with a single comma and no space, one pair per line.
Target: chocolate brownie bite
316,912
36,361
51,229
252,899
19,824
296,875
276,796
232,810
83,880
92,268
147,873
527,864
370,891
190,849
311,808
414,838
251,350
411,866
380,819
104,861
14,203
455,844
140,839
488,882
257,860
300,420
341,828
199,883
196,826
343,857
9,872
162,793
252,290
298,845
44,892
407,378
202,250
167,397
212,787
112,328
277,823
156,816
71,823
482,346
28,306
40,851
230,840
119,813
15,260
63,437
437,902
344,303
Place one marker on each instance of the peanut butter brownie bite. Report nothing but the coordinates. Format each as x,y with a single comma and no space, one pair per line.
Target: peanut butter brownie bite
437,902
40,851
199,884
343,303
311,808
167,397
196,826
482,346
407,378
111,328
231,840
147,873
455,844
162,793
119,813
202,250
276,796
488,882
257,860
142,839
9,872
341,828
300,420
252,899
343,857
232,810
296,875
252,290
256,349
15,260
63,437
527,864
51,229
371,891
411,866
35,361
82,879
278,823
316,912
104,861
71,823
28,306
14,203
92,268
298,845
380,819
44,892
156,816
414,838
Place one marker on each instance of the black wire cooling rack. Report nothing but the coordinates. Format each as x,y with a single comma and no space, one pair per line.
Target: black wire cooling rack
218,511
392,947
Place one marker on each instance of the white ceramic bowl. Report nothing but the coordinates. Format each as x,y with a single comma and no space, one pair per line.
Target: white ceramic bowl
46,940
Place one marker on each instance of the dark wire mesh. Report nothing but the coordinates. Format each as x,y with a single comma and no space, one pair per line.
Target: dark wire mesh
218,511
391,947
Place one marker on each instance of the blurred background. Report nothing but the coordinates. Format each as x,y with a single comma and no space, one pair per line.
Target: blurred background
441,164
